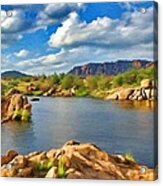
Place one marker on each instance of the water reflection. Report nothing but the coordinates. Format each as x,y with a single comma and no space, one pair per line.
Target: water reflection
17,136
144,105
113,126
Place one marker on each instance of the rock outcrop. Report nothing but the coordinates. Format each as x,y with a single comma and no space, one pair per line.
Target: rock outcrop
146,91
13,91
108,68
75,161
58,92
15,107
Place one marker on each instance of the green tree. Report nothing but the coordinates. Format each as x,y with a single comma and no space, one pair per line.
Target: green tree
42,77
78,82
104,83
91,82
55,78
67,82
118,81
61,76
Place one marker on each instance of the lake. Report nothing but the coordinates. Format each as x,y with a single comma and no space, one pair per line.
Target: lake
114,126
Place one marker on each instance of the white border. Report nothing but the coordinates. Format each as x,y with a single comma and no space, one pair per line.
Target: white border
47,182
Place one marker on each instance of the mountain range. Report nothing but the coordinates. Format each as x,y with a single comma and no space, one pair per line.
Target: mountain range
109,68
12,74
106,68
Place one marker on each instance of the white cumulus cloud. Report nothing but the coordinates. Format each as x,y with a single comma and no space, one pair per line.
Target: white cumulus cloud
131,36
22,53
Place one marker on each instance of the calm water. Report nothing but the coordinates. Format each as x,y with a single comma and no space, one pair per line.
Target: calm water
114,126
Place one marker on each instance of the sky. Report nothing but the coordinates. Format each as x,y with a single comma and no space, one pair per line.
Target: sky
48,38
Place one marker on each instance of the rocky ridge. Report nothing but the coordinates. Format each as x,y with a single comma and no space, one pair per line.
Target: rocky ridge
146,91
74,161
109,68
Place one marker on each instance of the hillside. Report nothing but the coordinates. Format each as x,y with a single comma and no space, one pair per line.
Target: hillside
12,73
108,68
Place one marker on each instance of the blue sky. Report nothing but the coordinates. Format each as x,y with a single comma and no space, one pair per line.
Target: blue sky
52,38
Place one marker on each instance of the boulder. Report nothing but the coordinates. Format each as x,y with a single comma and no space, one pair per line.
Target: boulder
146,83
125,93
50,92
140,98
31,87
77,161
10,155
153,93
38,157
73,91
143,93
64,93
51,153
12,172
13,105
113,96
52,173
20,162
136,94
13,91
154,84
131,97
27,172
148,93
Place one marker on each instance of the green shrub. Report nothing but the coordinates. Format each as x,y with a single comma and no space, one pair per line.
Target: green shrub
55,78
44,166
81,92
17,115
91,82
118,81
25,115
22,115
67,82
61,169
37,92
129,156
133,77
42,78
104,83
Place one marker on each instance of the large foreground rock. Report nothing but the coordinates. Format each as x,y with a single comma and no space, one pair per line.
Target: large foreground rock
76,161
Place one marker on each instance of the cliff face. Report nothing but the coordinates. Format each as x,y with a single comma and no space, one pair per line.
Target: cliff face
108,68
74,161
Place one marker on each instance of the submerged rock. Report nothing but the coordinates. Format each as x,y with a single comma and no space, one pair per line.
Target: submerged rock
77,161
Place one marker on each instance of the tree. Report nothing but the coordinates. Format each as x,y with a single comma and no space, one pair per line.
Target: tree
55,78
67,82
78,82
104,83
91,82
118,81
42,77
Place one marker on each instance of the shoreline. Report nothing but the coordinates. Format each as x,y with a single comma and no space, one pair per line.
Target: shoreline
75,161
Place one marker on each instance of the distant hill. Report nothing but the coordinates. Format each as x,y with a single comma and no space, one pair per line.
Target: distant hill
12,73
109,68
